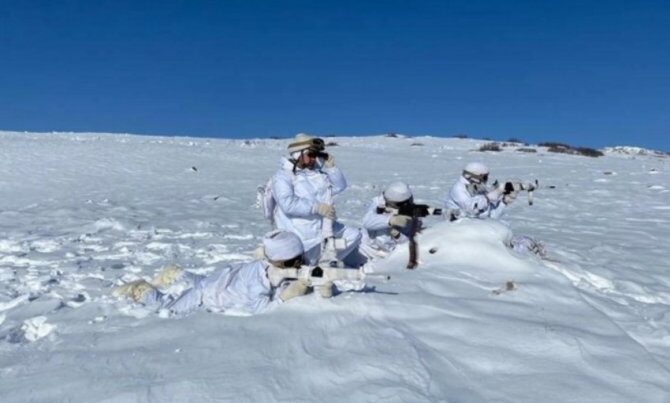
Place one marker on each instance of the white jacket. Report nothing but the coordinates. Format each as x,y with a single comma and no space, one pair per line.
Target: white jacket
377,229
296,195
472,202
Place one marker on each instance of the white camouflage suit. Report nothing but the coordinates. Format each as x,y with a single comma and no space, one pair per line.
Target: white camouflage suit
471,201
379,238
243,288
248,288
296,195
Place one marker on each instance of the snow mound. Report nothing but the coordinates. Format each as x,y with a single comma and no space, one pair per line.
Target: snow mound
503,318
472,243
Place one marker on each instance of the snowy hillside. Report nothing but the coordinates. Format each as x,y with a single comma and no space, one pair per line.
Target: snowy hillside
633,151
475,322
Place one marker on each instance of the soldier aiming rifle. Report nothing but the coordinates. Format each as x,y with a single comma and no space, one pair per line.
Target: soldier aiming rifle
394,218
470,196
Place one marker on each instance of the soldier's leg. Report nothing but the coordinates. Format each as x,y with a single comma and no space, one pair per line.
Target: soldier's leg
351,237
185,303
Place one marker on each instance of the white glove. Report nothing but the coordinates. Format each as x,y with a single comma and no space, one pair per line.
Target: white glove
324,210
494,195
259,253
329,162
399,221
294,289
325,290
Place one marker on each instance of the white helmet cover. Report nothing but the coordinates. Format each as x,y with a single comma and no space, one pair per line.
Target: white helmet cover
476,168
282,245
397,192
476,172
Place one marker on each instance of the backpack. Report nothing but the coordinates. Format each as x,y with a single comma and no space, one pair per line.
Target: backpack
265,200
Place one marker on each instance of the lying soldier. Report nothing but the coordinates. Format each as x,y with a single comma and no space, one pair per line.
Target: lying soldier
243,288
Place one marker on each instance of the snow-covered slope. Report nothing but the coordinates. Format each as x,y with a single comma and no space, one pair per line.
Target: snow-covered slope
79,212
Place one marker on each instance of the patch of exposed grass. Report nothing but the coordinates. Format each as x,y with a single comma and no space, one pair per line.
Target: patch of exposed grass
490,147
562,148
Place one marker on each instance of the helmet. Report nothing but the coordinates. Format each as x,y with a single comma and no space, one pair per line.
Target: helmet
397,192
476,172
282,245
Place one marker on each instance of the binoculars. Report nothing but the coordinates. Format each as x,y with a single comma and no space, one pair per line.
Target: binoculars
317,148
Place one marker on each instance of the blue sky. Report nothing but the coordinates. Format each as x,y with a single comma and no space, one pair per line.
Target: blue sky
587,73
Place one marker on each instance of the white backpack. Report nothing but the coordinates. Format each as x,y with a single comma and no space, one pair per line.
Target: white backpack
265,200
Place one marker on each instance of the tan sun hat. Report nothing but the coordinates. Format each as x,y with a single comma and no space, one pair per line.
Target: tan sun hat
304,141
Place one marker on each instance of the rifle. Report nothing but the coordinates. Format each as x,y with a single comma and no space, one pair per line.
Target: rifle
411,210
415,211
518,186
317,276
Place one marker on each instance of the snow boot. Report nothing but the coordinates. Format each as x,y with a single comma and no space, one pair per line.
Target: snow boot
166,276
134,290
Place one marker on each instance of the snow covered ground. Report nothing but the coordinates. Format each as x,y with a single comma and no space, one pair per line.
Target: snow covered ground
81,212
